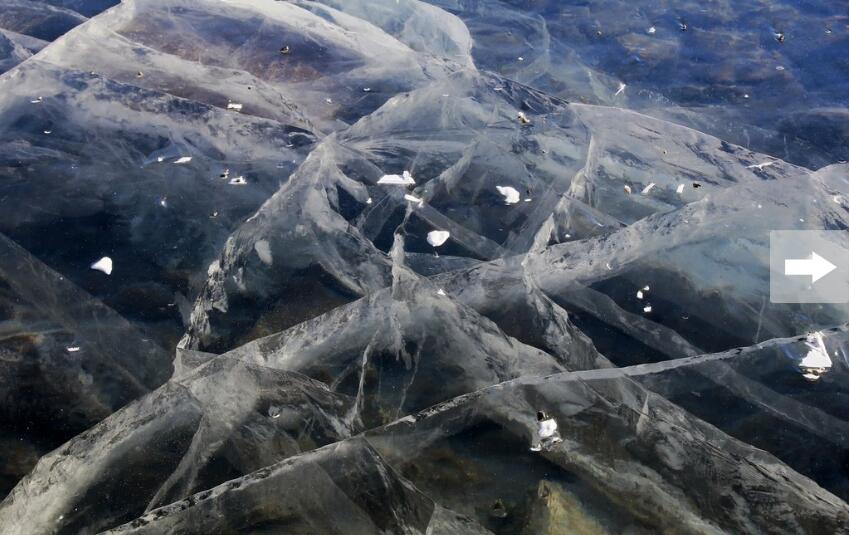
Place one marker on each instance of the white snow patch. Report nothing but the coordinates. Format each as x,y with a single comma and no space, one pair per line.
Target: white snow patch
680,189
816,361
815,358
238,181
511,195
648,188
73,349
621,89
547,428
647,309
234,106
437,237
104,265
183,159
405,179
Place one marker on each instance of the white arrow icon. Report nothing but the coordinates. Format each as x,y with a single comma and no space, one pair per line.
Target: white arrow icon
816,267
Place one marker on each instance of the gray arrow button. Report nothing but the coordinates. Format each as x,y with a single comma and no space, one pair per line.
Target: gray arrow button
808,266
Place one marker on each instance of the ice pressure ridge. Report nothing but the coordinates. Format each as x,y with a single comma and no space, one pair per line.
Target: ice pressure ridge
370,272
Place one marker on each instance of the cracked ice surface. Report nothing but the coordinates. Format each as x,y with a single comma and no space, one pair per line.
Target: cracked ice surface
367,254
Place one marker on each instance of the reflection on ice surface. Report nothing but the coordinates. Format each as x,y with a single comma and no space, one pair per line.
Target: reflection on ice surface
401,266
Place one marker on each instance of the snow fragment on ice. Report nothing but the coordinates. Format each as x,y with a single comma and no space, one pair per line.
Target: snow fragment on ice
511,195
104,265
405,179
437,237
547,432
816,361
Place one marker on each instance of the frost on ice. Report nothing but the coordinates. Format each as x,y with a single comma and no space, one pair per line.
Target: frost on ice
263,250
413,199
